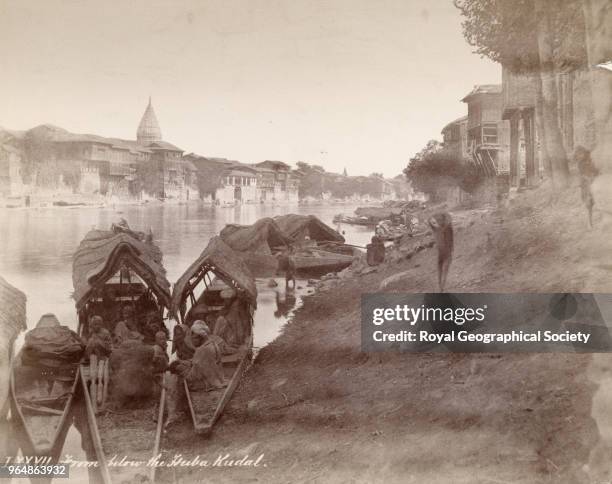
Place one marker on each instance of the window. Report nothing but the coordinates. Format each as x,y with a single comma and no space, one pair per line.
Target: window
489,134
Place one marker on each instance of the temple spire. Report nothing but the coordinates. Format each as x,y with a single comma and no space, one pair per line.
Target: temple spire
148,129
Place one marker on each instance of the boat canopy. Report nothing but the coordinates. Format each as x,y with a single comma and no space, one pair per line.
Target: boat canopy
101,255
12,309
220,259
259,238
297,227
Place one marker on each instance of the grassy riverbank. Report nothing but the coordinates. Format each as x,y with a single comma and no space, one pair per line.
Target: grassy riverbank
320,410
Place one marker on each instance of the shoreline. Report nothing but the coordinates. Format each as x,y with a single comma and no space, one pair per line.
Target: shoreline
49,205
313,400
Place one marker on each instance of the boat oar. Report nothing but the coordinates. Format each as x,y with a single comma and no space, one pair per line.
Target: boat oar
93,375
106,382
101,366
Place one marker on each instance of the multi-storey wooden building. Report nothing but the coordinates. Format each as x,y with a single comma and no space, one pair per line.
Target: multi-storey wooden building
488,135
454,137
54,160
278,181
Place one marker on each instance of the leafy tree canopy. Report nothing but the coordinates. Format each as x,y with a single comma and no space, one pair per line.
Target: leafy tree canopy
505,31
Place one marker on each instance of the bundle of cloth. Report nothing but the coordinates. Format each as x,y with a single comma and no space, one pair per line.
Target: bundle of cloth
132,371
52,345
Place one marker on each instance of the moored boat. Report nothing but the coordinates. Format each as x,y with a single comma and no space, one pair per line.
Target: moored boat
113,270
257,245
217,271
44,380
308,232
347,219
12,322
316,261
317,248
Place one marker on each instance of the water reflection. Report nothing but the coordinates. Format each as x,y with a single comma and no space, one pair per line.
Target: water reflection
285,305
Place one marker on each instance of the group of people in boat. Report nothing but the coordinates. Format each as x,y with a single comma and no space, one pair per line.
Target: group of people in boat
103,338
207,334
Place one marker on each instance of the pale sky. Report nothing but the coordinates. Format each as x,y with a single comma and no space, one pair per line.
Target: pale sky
361,84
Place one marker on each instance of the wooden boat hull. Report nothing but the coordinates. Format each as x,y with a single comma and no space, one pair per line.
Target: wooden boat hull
206,407
43,418
322,262
356,221
319,262
97,428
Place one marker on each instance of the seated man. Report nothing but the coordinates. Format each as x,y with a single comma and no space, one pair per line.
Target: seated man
232,324
127,328
199,311
204,370
100,341
160,353
181,342
152,325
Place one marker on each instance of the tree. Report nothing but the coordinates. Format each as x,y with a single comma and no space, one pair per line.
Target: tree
541,37
598,18
435,168
71,175
547,92
149,178
311,180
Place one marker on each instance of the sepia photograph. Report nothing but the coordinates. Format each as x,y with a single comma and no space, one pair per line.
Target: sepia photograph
306,241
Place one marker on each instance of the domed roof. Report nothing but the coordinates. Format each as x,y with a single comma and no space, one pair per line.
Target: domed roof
148,129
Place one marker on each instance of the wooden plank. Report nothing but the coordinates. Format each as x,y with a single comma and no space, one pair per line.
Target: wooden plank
40,409
160,427
231,388
95,434
106,383
101,365
61,425
204,428
192,412
93,376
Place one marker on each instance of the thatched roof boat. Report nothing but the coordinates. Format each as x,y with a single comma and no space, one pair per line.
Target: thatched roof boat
111,269
13,308
298,227
260,238
257,244
220,259
104,254
217,269
12,322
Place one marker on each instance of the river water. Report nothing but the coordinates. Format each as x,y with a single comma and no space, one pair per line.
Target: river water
37,245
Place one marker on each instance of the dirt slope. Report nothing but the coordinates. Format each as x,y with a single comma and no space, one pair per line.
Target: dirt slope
320,410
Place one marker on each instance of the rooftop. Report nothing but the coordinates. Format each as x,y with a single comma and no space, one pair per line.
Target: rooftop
275,165
483,89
